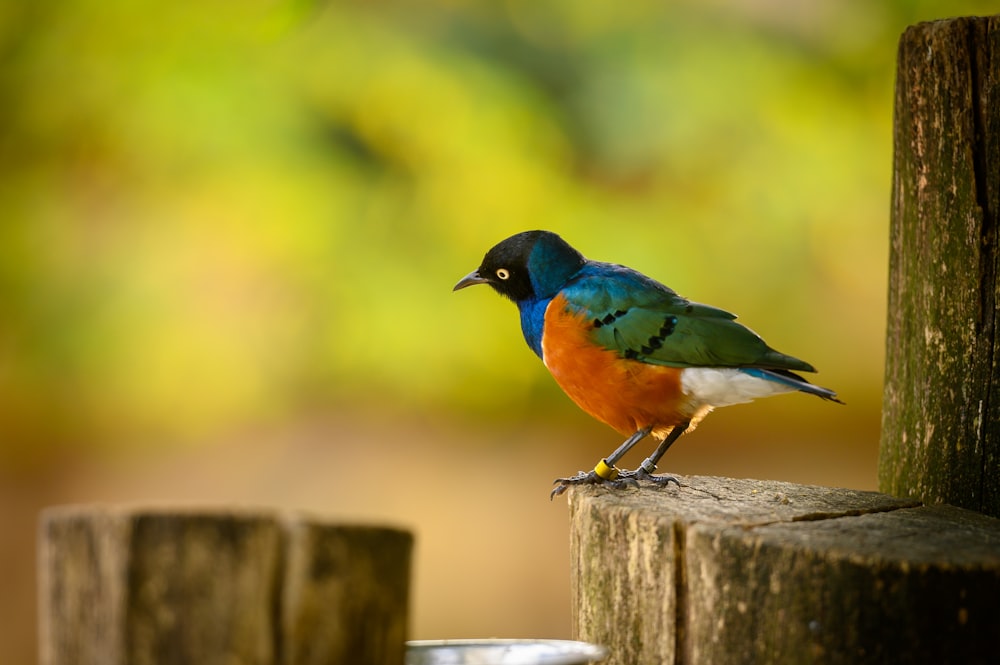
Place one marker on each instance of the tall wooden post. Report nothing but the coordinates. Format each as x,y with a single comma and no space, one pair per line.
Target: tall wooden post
941,410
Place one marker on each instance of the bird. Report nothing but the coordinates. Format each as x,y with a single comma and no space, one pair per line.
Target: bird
629,350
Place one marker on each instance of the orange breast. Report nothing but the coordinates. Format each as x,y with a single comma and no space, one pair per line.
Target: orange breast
628,395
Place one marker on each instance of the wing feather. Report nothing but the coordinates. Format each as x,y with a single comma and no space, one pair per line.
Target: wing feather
646,321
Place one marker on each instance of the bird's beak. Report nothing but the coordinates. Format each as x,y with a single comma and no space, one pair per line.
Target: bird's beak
470,279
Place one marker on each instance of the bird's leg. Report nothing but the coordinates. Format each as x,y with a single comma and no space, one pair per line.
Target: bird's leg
605,472
648,466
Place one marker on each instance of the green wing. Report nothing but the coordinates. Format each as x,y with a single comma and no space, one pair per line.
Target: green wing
646,321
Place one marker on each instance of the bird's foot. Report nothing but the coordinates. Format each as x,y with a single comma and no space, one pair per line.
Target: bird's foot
611,477
591,478
642,474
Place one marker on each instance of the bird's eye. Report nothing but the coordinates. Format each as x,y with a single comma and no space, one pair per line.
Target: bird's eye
503,273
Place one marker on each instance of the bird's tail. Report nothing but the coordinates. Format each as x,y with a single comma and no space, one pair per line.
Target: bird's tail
792,380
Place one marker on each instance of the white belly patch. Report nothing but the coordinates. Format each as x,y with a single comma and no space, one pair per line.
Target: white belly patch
722,386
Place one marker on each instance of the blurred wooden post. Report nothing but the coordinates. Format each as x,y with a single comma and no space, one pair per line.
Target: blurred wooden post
157,586
723,571
941,410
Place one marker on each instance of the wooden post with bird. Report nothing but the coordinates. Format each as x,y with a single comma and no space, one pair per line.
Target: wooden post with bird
727,571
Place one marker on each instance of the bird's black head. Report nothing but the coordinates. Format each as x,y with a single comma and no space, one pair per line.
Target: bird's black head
527,265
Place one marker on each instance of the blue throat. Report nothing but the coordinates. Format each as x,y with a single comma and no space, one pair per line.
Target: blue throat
533,321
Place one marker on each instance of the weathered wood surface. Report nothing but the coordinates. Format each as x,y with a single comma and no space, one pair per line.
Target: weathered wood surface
345,594
723,571
162,586
941,410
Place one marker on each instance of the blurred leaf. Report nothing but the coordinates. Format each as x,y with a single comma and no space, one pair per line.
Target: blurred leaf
220,214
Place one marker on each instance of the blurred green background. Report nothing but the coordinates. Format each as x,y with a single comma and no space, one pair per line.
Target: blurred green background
230,231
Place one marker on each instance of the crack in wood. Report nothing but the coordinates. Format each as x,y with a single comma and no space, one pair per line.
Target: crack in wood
983,83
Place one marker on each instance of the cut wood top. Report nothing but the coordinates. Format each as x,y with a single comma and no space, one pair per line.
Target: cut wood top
728,571
841,522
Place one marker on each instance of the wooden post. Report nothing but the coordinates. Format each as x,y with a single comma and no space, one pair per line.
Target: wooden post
941,412
727,571
345,594
723,571
157,586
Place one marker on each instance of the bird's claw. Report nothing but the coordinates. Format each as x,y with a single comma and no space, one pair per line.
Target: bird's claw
642,474
625,478
590,478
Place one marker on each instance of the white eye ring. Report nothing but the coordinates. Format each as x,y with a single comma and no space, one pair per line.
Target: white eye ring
503,273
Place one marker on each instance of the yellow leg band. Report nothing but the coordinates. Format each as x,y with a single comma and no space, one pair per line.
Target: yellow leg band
605,470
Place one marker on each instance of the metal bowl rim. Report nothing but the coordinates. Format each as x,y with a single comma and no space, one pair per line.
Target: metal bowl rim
573,648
